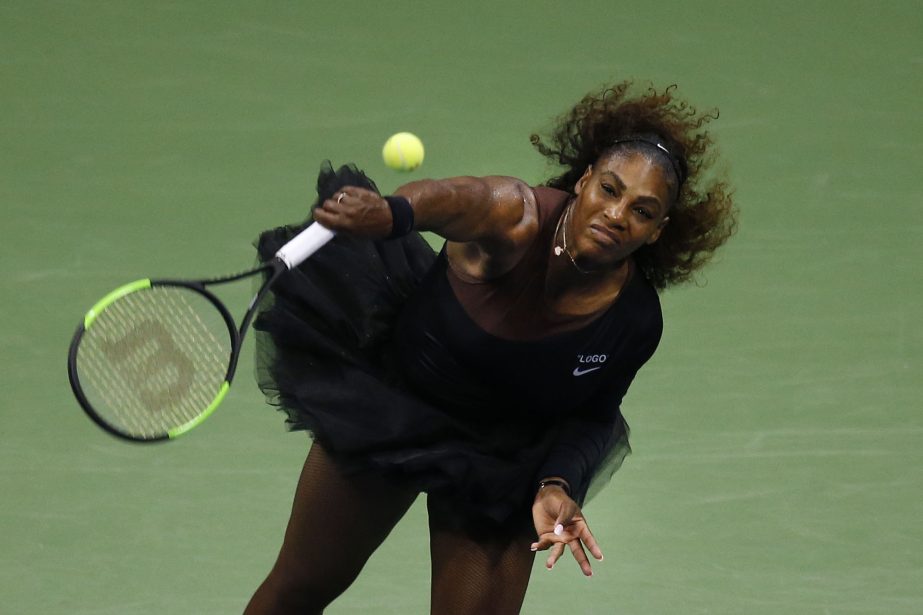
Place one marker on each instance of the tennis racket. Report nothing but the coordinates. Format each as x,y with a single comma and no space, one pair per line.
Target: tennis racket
153,359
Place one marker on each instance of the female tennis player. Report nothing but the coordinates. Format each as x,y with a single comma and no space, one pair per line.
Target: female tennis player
490,375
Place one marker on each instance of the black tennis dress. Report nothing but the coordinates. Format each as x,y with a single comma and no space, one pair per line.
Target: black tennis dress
398,364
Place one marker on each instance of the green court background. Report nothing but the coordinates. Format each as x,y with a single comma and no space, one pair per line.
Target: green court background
777,464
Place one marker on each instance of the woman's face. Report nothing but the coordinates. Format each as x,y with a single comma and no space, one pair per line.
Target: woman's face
622,204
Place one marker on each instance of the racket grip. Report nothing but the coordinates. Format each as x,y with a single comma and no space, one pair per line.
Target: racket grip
304,244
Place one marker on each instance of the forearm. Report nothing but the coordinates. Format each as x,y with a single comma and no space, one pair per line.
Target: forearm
584,442
579,454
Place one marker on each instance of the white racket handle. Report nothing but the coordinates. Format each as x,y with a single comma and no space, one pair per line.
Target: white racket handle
304,244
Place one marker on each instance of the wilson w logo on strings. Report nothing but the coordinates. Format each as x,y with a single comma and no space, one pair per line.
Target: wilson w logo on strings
151,361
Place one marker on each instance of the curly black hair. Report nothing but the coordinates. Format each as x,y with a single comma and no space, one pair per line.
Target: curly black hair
703,216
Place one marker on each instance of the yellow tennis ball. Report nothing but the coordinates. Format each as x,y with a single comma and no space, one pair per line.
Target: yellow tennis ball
403,152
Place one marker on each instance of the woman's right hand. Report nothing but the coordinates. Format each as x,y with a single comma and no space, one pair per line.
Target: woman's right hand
357,212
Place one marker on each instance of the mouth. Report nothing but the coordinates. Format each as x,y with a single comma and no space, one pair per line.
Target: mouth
604,235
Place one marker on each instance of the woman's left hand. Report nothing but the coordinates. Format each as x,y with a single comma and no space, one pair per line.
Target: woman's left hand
560,523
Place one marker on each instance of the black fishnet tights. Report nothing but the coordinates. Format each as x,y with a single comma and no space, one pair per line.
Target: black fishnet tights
337,523
475,573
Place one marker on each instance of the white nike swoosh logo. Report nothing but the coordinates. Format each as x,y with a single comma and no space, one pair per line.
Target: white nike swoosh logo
580,372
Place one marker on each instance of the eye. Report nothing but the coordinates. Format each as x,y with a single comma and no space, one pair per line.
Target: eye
644,212
608,189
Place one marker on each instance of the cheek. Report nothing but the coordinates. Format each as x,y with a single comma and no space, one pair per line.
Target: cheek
582,210
641,232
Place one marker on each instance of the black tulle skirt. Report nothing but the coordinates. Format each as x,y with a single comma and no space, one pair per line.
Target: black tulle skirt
323,357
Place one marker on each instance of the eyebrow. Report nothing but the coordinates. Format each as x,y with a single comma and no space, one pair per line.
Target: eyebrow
648,198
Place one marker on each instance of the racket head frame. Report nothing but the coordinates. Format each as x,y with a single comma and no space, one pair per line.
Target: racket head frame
303,245
198,286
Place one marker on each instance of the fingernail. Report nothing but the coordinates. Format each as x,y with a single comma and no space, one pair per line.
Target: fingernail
558,529
533,548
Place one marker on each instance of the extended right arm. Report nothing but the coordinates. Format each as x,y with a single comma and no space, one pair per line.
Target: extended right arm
488,221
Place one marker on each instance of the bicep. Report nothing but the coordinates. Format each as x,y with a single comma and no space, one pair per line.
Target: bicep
512,212
508,230
502,230
465,209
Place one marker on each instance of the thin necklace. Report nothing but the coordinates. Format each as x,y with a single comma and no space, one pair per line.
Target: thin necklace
562,249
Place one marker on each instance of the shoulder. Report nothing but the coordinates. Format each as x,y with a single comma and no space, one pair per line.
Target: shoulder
548,203
550,195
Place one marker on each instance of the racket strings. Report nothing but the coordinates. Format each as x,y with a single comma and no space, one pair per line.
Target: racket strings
154,360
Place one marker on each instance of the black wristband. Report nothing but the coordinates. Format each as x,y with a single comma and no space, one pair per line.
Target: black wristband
557,482
401,216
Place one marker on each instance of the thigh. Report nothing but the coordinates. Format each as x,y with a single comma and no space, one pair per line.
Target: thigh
476,572
337,522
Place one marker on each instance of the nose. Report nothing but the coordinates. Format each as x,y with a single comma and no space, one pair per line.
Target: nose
617,214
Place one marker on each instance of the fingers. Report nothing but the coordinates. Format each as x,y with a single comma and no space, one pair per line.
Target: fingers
580,532
565,516
590,541
548,539
356,210
330,212
556,551
576,548
578,537
338,205
544,541
349,197
580,557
